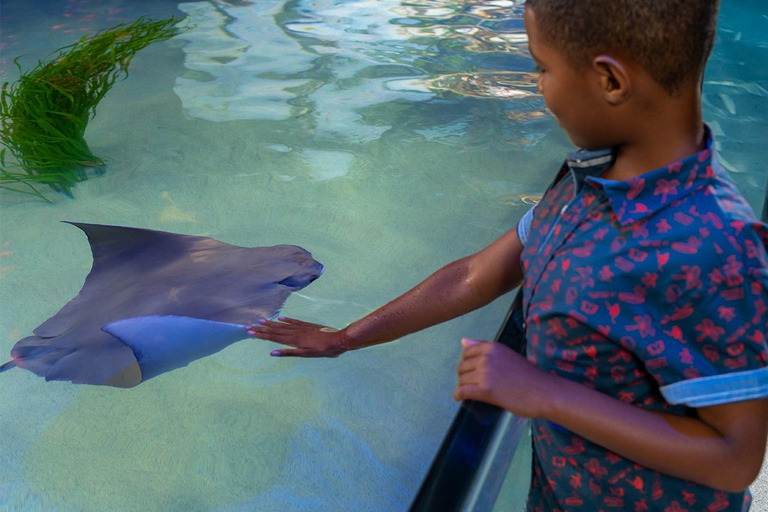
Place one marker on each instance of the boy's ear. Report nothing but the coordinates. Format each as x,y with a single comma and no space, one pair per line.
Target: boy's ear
614,79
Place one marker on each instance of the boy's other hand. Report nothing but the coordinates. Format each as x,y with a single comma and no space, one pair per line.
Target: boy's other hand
308,340
494,373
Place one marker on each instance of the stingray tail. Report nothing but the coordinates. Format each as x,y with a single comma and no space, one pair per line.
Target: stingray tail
7,366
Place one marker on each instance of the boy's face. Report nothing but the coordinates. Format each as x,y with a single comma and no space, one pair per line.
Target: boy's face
573,96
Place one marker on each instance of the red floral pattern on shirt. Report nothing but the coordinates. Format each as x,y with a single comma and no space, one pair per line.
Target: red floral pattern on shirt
631,286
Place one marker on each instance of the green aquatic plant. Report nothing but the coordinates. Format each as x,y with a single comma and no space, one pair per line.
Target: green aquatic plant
45,113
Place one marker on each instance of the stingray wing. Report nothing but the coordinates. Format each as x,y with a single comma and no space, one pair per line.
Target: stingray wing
164,343
99,360
119,253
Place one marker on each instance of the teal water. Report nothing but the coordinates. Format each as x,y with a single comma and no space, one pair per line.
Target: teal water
387,138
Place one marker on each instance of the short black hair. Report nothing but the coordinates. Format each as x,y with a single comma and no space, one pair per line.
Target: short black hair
670,39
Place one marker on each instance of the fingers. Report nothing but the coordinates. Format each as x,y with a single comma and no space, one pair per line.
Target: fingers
472,382
468,342
466,366
471,357
274,331
470,373
288,323
470,369
468,392
293,321
474,348
284,324
266,324
271,335
291,352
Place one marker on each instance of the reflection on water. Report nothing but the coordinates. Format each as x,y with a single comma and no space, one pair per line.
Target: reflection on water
328,60
503,85
240,63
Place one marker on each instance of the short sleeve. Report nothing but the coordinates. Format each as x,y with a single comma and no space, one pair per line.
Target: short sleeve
524,226
712,349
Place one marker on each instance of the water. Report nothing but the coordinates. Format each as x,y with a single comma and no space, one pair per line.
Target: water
387,138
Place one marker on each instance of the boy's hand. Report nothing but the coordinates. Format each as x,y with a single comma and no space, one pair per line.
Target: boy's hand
309,340
496,374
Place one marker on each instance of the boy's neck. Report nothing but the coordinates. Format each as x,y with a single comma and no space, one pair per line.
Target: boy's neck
671,133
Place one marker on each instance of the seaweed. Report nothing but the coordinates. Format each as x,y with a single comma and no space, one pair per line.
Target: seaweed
45,113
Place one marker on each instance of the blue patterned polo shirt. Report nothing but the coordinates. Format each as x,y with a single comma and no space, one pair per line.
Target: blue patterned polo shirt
654,291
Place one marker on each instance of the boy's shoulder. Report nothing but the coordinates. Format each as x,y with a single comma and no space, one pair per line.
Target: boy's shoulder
720,207
689,215
714,219
710,243
693,198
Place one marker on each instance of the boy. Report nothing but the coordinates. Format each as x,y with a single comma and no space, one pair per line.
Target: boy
644,278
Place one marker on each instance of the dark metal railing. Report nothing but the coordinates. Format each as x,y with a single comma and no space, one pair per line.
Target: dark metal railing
765,204
461,463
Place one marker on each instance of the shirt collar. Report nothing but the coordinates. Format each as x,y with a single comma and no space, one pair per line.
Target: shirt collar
639,197
585,163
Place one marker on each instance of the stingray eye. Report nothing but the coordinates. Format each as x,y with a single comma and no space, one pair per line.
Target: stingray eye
299,281
293,282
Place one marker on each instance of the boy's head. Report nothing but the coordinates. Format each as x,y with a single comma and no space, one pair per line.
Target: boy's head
613,72
670,39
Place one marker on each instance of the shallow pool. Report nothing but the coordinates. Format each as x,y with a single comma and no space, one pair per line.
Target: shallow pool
387,138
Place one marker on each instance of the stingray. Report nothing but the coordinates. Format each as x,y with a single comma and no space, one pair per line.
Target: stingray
156,301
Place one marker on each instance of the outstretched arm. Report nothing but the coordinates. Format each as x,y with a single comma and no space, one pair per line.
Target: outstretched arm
457,288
